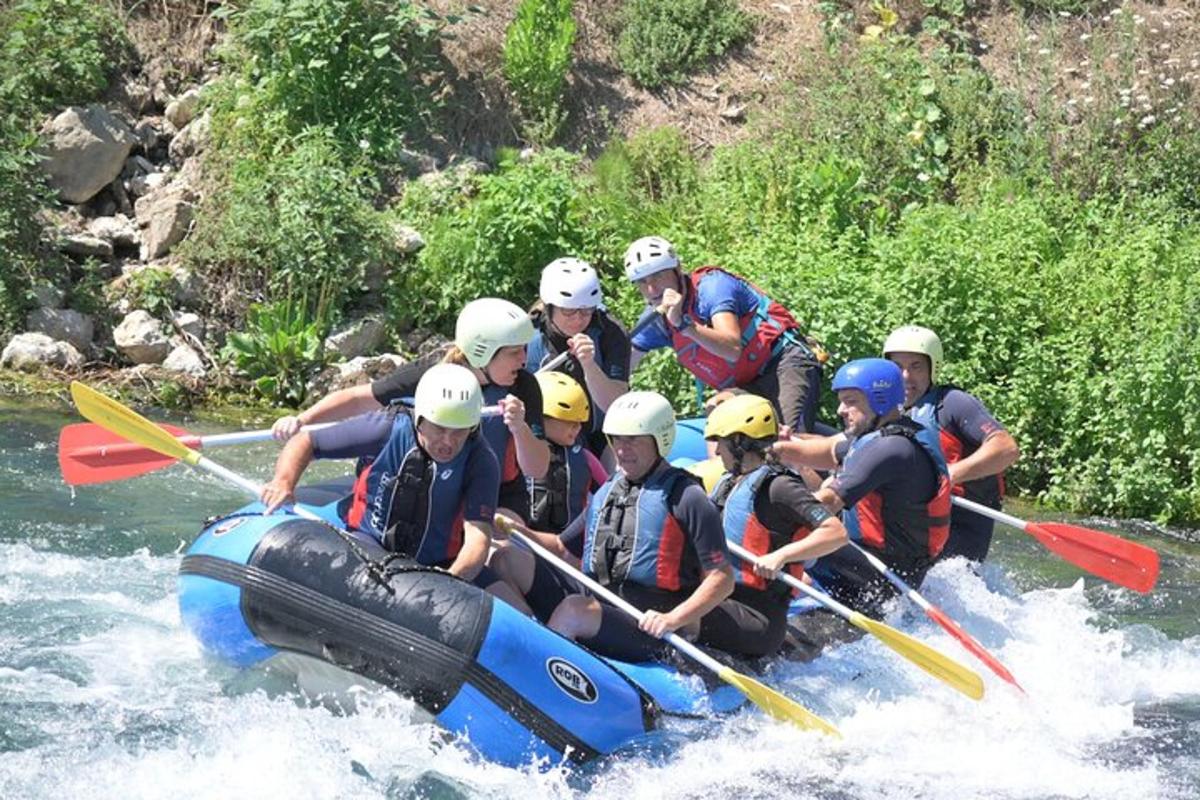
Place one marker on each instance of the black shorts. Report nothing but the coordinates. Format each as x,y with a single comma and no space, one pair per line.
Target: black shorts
750,622
792,382
550,585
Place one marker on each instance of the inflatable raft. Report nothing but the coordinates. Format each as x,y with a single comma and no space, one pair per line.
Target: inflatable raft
283,591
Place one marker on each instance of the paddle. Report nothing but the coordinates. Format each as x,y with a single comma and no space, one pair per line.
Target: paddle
939,616
128,424
89,453
777,705
942,667
1121,561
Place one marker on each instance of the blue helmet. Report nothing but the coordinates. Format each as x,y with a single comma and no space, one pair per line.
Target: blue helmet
879,379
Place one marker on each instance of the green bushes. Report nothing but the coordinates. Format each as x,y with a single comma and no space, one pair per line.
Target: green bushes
537,57
664,41
359,68
283,345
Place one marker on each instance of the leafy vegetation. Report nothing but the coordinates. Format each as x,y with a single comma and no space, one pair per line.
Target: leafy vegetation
282,346
664,41
537,58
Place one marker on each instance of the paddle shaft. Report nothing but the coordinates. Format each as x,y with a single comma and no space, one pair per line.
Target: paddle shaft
986,511
795,583
599,590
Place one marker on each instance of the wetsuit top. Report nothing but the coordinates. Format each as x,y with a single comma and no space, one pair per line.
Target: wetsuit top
409,502
894,485
662,531
612,354
402,383
768,509
764,325
963,422
562,495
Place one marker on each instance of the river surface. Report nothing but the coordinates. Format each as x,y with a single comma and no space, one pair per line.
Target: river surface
103,694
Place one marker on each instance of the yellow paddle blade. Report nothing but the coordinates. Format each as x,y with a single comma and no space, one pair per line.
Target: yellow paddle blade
114,417
944,668
777,705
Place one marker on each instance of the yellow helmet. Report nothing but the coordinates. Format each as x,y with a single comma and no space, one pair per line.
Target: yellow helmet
748,414
709,471
563,398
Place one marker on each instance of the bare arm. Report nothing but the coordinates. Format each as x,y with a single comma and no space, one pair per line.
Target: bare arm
998,452
816,452
715,587
295,457
829,498
477,538
342,404
723,337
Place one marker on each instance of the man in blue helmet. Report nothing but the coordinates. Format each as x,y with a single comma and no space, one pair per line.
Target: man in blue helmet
891,487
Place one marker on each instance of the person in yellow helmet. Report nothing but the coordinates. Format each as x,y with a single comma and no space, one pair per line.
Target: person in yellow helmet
977,448
767,509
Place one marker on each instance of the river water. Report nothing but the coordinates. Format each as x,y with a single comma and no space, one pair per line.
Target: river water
103,694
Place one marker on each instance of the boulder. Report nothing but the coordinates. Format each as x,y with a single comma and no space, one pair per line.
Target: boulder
118,230
191,139
190,323
85,245
140,338
84,150
359,338
407,240
186,360
30,351
166,216
182,109
63,324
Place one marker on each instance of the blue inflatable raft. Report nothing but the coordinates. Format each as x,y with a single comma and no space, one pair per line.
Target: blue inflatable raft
265,591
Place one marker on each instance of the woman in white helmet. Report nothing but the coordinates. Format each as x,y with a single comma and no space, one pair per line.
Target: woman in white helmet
490,338
649,534
570,317
725,331
430,491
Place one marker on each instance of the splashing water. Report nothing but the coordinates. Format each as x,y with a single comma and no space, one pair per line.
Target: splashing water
104,695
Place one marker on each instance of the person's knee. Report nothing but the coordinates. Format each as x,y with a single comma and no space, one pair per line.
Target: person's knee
576,617
503,591
515,566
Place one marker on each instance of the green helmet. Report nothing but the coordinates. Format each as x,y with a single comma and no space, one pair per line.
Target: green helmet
487,324
448,395
642,414
915,339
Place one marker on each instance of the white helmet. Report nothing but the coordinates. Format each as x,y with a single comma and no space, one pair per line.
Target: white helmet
642,414
649,255
487,324
915,339
570,283
448,395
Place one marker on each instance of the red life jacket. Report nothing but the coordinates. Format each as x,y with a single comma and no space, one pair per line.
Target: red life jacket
743,527
763,332
907,532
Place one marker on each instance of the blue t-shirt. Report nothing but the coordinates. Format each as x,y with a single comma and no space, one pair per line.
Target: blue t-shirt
715,292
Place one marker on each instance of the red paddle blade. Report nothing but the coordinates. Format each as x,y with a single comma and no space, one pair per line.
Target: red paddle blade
967,641
88,453
1126,563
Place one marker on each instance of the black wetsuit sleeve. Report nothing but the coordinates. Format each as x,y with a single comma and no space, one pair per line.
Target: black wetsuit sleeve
787,505
403,381
357,437
526,390
483,483
701,522
615,349
883,461
572,535
967,418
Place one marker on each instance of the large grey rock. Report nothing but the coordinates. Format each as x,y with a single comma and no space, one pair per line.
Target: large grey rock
140,338
142,185
85,245
191,140
118,230
407,240
359,338
182,109
84,151
166,216
63,324
30,351
186,360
